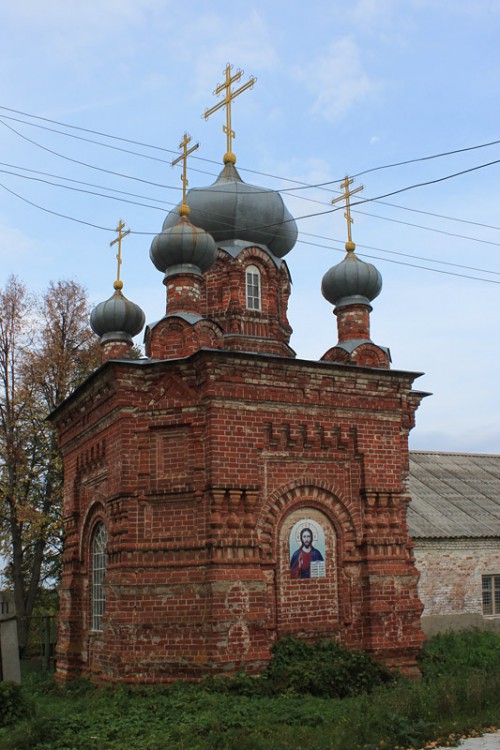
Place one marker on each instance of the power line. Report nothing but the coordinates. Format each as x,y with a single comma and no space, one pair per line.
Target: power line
154,184
395,252
320,185
97,143
82,182
428,157
84,164
56,213
171,204
439,216
146,205
298,218
430,229
82,190
304,242
411,265
396,192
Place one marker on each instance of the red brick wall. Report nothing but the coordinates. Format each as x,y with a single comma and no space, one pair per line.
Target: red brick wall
199,468
220,298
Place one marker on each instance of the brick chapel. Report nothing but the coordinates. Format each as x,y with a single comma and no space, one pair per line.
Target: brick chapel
221,493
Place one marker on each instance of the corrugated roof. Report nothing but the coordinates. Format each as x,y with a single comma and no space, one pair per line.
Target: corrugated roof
454,495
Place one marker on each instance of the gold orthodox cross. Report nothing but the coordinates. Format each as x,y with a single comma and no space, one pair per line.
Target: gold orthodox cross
183,157
226,102
347,197
121,235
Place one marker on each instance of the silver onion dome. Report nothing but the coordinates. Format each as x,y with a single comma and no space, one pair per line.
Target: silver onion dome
117,317
183,247
230,209
352,281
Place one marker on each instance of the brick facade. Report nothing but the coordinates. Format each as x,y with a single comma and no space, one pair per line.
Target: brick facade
450,584
207,461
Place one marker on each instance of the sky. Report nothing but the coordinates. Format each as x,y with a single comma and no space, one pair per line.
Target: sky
96,97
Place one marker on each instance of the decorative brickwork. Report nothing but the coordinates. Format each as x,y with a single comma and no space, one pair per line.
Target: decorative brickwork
200,468
220,298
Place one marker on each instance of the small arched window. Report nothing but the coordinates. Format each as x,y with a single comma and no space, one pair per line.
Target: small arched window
253,288
99,563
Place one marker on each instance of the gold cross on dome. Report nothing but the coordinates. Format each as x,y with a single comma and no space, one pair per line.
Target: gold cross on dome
121,235
226,102
183,157
347,196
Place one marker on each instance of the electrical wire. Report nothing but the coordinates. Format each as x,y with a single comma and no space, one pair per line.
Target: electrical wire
85,164
353,205
146,205
82,190
430,229
171,204
98,143
264,174
118,174
410,265
303,242
56,213
86,184
359,202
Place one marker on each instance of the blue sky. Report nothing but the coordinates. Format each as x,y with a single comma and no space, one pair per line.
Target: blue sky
341,89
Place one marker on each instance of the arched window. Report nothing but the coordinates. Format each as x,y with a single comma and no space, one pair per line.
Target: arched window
253,288
99,561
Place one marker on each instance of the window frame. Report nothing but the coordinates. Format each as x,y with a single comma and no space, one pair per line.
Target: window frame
253,288
490,594
98,565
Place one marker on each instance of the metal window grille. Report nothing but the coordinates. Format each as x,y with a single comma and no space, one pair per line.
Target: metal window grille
99,562
491,595
253,288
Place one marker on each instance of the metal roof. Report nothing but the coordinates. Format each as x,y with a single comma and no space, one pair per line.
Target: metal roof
454,495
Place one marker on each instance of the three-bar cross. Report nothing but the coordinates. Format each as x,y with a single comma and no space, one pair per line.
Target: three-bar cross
347,196
226,102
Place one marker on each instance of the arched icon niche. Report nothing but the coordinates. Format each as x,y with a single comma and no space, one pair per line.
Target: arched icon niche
307,550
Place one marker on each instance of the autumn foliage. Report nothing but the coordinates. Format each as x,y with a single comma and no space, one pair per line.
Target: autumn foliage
46,350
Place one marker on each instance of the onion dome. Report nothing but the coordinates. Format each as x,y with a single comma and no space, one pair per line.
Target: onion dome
117,318
352,281
230,209
183,248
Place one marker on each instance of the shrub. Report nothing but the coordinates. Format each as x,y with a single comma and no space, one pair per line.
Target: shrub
14,705
324,669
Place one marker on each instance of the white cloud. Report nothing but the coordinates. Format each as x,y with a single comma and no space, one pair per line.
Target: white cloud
337,79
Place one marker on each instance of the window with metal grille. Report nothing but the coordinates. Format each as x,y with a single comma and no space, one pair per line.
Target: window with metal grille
491,595
253,286
99,562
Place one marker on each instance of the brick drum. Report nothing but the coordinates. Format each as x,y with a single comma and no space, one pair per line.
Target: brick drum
201,459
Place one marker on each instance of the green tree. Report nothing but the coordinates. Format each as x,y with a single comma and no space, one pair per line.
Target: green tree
46,350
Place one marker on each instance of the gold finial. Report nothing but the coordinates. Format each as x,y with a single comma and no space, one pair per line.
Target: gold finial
121,234
229,157
347,196
184,208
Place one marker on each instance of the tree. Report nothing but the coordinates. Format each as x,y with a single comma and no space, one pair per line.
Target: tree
46,350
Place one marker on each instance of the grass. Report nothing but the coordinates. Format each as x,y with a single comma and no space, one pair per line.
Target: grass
459,693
